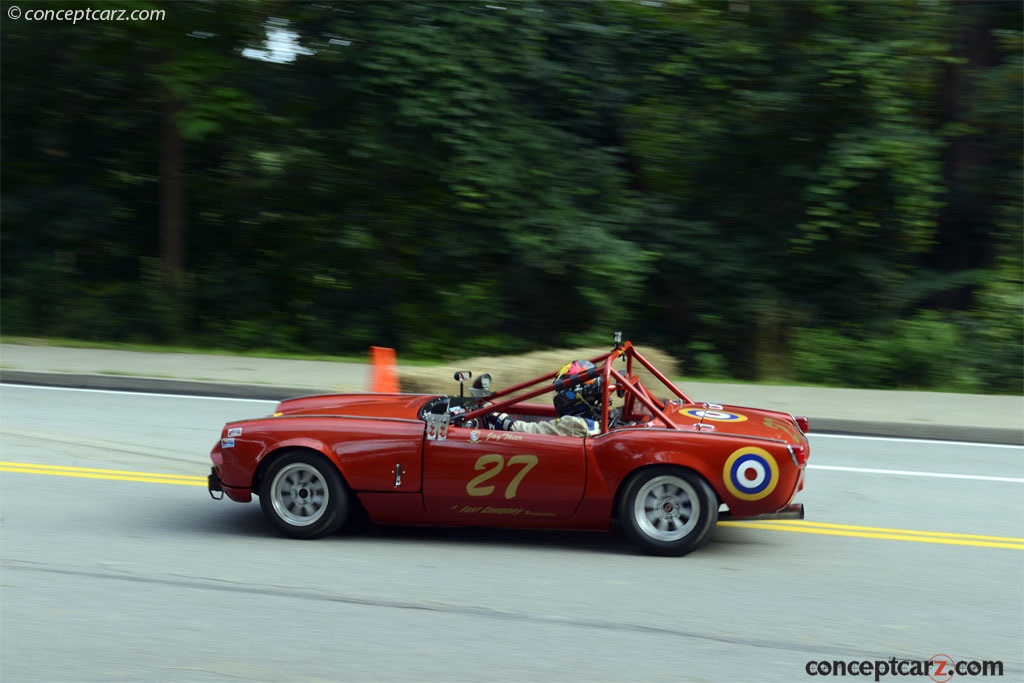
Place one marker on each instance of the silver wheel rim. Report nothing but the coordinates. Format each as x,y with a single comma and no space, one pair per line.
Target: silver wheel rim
299,494
666,508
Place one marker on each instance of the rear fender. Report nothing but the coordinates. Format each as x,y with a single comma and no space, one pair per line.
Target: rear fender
699,465
682,460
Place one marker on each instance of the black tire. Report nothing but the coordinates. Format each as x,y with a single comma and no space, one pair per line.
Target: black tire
668,511
304,496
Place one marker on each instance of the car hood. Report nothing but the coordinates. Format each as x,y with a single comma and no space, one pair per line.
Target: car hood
404,406
738,420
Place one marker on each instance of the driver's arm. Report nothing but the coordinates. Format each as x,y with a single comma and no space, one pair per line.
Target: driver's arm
569,425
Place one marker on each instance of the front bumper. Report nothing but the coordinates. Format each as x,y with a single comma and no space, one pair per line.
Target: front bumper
214,485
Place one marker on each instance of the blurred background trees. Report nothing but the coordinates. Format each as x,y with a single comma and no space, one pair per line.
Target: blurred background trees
803,191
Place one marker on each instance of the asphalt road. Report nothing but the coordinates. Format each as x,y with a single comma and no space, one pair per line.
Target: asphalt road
110,576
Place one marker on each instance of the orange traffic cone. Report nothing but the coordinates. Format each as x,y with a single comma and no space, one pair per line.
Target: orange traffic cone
384,377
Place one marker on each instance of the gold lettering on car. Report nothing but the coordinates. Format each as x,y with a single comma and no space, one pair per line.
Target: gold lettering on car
772,423
502,436
492,464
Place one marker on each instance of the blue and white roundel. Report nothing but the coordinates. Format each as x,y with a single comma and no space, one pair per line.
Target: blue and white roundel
714,415
751,473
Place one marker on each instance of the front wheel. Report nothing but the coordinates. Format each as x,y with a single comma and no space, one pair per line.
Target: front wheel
304,496
668,510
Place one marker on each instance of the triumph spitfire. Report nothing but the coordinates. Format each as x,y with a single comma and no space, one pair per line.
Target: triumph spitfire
656,463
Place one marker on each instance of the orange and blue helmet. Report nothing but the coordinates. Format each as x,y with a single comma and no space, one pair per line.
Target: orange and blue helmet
582,398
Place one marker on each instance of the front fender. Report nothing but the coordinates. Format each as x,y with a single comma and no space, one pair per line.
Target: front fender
301,442
370,453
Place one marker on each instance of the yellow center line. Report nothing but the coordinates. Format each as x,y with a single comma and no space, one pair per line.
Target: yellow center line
797,524
792,526
38,466
885,534
96,473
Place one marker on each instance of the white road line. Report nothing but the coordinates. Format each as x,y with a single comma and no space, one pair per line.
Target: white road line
909,440
141,393
909,473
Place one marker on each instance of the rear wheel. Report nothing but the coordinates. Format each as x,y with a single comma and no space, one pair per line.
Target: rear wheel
304,496
668,510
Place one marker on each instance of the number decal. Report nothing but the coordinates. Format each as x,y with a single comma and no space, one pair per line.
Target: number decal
492,464
492,460
528,462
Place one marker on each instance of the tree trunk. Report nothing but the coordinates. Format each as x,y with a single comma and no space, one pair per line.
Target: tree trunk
172,190
172,303
963,241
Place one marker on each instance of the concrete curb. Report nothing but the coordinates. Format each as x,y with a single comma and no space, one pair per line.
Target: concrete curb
156,385
911,430
823,425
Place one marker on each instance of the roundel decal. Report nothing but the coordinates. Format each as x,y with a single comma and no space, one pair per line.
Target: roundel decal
751,473
715,415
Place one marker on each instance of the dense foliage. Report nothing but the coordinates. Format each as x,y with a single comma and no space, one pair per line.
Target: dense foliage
822,191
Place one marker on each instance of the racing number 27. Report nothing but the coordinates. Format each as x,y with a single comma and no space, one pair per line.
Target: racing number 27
492,464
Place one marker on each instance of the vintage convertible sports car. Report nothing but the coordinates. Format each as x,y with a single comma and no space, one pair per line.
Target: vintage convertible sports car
665,467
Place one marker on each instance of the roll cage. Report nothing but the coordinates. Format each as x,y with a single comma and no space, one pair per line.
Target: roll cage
625,384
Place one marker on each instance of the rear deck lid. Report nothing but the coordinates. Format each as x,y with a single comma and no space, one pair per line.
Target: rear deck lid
738,420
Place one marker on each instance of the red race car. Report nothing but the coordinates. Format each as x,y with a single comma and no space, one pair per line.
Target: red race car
664,467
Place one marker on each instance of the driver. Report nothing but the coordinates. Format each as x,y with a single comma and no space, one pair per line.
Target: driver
578,408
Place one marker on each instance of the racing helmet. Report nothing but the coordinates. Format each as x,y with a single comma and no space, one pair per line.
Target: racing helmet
581,400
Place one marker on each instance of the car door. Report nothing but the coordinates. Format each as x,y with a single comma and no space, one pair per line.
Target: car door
484,476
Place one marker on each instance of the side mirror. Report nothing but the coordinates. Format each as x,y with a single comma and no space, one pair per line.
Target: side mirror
461,376
481,386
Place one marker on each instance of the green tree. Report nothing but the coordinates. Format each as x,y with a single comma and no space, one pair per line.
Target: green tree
96,166
771,190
